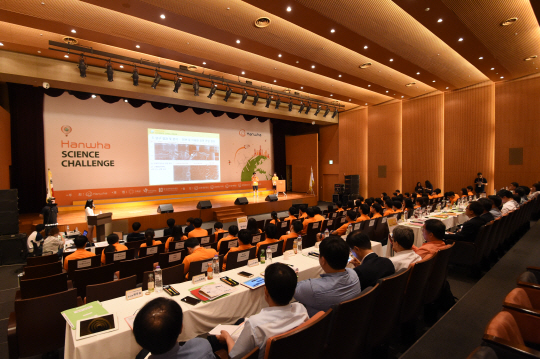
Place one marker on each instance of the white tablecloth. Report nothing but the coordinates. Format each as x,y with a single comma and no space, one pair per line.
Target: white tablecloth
198,319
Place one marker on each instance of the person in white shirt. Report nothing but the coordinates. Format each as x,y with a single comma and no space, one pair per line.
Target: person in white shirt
35,237
403,240
89,211
535,191
495,209
54,242
509,204
279,317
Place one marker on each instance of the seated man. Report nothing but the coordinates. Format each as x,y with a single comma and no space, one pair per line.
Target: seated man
271,236
364,210
189,224
470,229
196,253
470,191
293,214
218,228
318,214
233,233
338,205
349,218
388,204
495,206
375,210
170,224
244,242
338,284
35,238
513,186
487,204
198,231
295,231
310,212
368,265
156,329
279,317
113,246
81,252
302,211
433,232
135,235
509,204
396,206
403,240
419,203
54,242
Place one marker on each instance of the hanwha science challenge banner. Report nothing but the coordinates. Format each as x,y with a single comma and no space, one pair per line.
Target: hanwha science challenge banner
99,150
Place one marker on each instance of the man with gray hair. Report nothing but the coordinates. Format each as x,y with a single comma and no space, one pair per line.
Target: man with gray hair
402,242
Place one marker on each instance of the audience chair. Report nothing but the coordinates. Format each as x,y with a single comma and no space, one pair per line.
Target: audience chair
84,263
369,228
311,234
43,270
32,288
134,245
277,248
110,290
381,231
260,224
85,277
222,354
36,261
227,245
305,341
240,258
290,242
36,326
171,275
221,235
256,238
206,239
438,274
136,267
528,279
212,245
111,257
523,300
198,267
171,259
483,352
177,245
152,250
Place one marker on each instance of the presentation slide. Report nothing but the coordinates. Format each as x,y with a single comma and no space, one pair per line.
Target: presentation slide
177,157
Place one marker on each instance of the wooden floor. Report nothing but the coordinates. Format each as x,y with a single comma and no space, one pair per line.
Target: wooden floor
124,214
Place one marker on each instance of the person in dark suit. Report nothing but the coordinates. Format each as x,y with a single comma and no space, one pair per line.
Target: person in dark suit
135,235
470,229
487,216
168,232
368,265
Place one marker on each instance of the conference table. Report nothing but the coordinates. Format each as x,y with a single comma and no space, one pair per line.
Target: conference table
198,319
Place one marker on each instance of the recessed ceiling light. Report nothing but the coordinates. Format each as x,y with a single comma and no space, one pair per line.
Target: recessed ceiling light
39,52
502,77
391,60
447,88
289,8
440,20
162,16
279,55
531,58
243,73
339,75
418,73
460,39
94,96
386,91
331,95
73,31
492,68
1,44
237,41
368,85
332,31
121,66
204,63
349,99
275,80
138,46
365,47
301,87
402,96
66,56
509,21
481,58
433,80
427,9
125,100
312,66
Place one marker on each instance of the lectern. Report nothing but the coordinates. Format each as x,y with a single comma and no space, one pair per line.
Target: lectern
281,186
100,221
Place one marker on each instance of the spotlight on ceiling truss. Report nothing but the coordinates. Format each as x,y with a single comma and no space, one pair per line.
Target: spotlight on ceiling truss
82,66
290,104
301,106
227,94
212,90
318,110
256,98
308,107
278,102
327,111
268,101
335,112
109,72
195,87
135,76
177,83
157,79
244,97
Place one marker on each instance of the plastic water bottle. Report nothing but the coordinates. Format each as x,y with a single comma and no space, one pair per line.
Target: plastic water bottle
299,244
349,229
150,283
210,272
326,233
67,230
269,254
158,279
215,263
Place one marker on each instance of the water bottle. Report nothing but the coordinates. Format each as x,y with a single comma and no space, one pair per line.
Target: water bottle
216,265
67,230
262,256
269,254
299,244
158,279
76,229
295,246
349,229
150,283
326,233
210,271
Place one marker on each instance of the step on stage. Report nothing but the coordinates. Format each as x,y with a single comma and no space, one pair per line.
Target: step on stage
144,210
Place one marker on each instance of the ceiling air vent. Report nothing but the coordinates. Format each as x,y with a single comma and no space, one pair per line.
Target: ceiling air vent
410,84
70,40
262,22
509,21
531,58
365,66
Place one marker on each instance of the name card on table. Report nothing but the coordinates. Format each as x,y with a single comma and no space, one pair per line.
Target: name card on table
119,256
244,256
253,262
179,245
371,223
134,293
151,250
205,240
175,257
84,263
198,278
233,243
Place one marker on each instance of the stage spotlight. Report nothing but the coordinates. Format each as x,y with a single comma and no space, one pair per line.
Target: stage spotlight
135,76
109,71
195,87
256,98
308,107
268,100
157,78
335,112
326,112
177,83
227,94
318,110
278,102
82,66
290,105
212,90
244,97
301,106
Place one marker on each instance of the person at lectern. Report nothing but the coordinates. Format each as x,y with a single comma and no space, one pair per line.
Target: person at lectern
89,211
275,178
255,184
49,213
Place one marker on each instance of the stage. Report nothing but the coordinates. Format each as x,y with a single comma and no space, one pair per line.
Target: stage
144,210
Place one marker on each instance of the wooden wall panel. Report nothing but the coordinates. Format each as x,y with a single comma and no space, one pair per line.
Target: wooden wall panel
469,136
384,139
302,154
423,142
5,148
516,125
353,147
328,151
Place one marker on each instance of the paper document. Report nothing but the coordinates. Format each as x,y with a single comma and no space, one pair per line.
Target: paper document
233,330
86,311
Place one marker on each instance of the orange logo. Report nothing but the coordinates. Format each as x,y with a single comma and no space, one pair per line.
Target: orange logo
242,133
66,130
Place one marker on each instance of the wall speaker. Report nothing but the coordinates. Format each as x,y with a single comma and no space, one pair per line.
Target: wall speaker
241,200
271,198
204,205
165,208
9,212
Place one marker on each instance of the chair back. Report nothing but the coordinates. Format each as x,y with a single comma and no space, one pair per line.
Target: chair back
350,324
148,251
85,277
225,246
32,288
44,270
416,285
504,326
212,245
369,228
136,267
221,235
90,262
518,297
198,267
206,239
177,245
171,259
253,354
289,244
483,352
171,275
330,225
284,226
39,260
387,306
438,274
240,258
42,315
111,257
305,341
256,238
135,244
311,234
110,290
381,231
277,248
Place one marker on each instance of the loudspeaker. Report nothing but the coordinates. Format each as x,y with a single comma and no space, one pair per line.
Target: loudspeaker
13,249
165,208
9,212
271,198
204,205
241,200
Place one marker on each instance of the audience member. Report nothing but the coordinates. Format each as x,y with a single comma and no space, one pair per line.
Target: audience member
509,204
464,193
177,235
349,218
396,206
496,206
388,204
271,234
252,226
336,285
419,202
197,232
80,252
218,228
470,229
402,242
233,235
428,187
190,226
244,242
113,246
488,205
364,213
535,190
433,232
295,231
339,205
318,214
149,241
35,238
275,220
513,186
293,214
54,242
409,206
196,253
480,184
170,224
521,194
302,211
135,235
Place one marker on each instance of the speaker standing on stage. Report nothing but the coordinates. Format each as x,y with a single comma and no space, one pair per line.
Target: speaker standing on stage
89,211
275,178
49,213
255,183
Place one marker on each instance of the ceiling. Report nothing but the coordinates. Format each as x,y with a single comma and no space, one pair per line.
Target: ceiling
315,49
